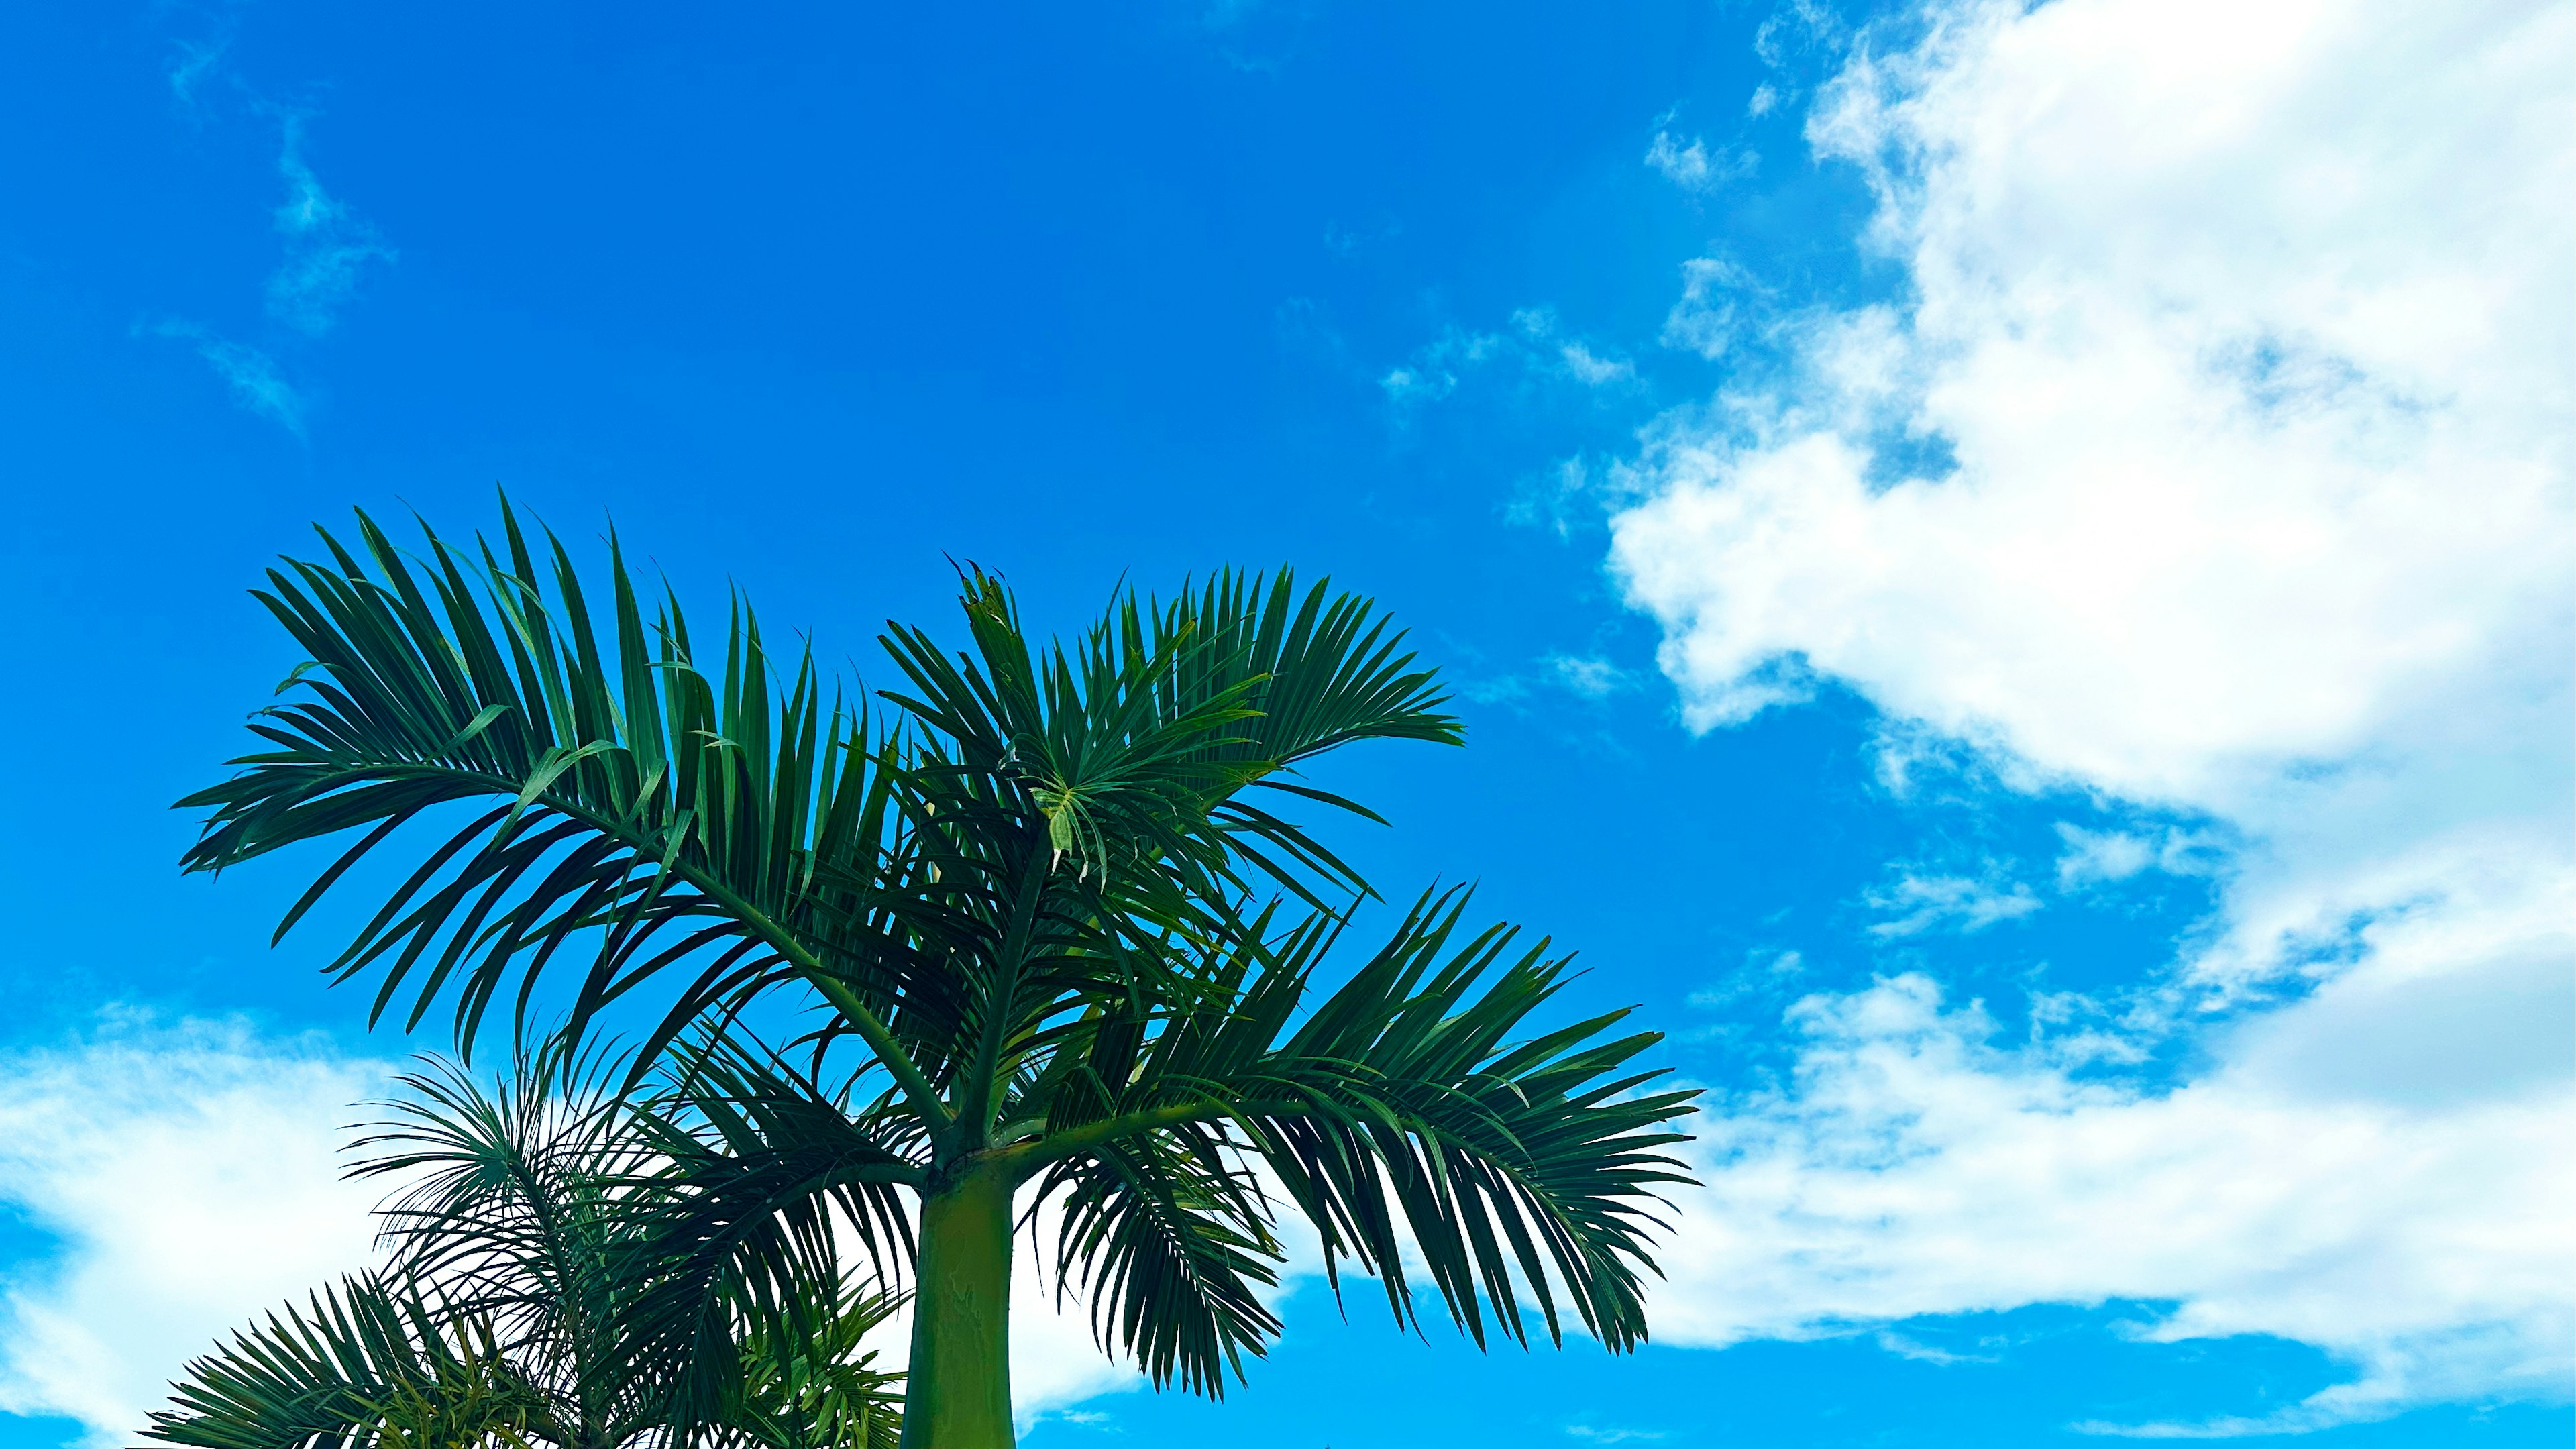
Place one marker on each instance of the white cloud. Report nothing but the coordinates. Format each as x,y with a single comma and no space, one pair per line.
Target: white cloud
1918,1167
191,1175
1589,677
2093,857
1704,319
1589,1434
1904,1347
1694,167
1432,372
1966,903
2255,374
253,376
327,247
1402,384
1593,370
2251,336
1578,358
2101,855
194,64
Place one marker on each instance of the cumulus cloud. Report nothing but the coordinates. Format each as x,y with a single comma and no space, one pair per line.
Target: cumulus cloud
2216,457
2254,362
1917,1165
190,1177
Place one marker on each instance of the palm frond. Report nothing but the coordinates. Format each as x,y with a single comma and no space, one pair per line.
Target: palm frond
762,1179
822,1389
1166,1236
1140,741
365,1365
730,821
1403,1109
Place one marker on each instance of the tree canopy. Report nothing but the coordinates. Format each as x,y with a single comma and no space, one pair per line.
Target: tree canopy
1060,925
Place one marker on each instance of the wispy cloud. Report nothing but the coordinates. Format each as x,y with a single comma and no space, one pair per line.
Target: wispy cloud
197,62
1964,903
1904,1347
1587,676
1704,319
251,374
1591,1435
1432,372
1691,165
327,252
2097,857
1579,358
1592,370
1535,349
1554,499
327,248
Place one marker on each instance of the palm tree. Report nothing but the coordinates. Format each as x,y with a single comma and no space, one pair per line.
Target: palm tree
1059,939
518,1307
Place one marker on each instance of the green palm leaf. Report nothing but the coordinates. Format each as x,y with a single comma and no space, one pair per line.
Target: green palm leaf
529,1300
367,1363
1405,1107
1065,927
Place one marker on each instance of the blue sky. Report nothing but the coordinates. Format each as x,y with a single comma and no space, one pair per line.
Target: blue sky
2007,569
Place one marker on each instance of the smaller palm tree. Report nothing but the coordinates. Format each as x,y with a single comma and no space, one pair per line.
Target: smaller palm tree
514,1308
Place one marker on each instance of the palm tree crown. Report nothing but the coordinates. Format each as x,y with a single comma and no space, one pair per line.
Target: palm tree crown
1061,941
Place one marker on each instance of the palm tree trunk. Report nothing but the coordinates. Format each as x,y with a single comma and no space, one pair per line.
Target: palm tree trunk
957,1391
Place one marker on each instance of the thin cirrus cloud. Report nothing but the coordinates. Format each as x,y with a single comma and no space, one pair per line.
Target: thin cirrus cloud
1915,903
328,251
252,375
2252,363
1536,349
327,248
1692,166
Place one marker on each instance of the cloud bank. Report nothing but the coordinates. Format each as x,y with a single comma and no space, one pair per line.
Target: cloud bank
2217,458
189,1176
1916,1165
